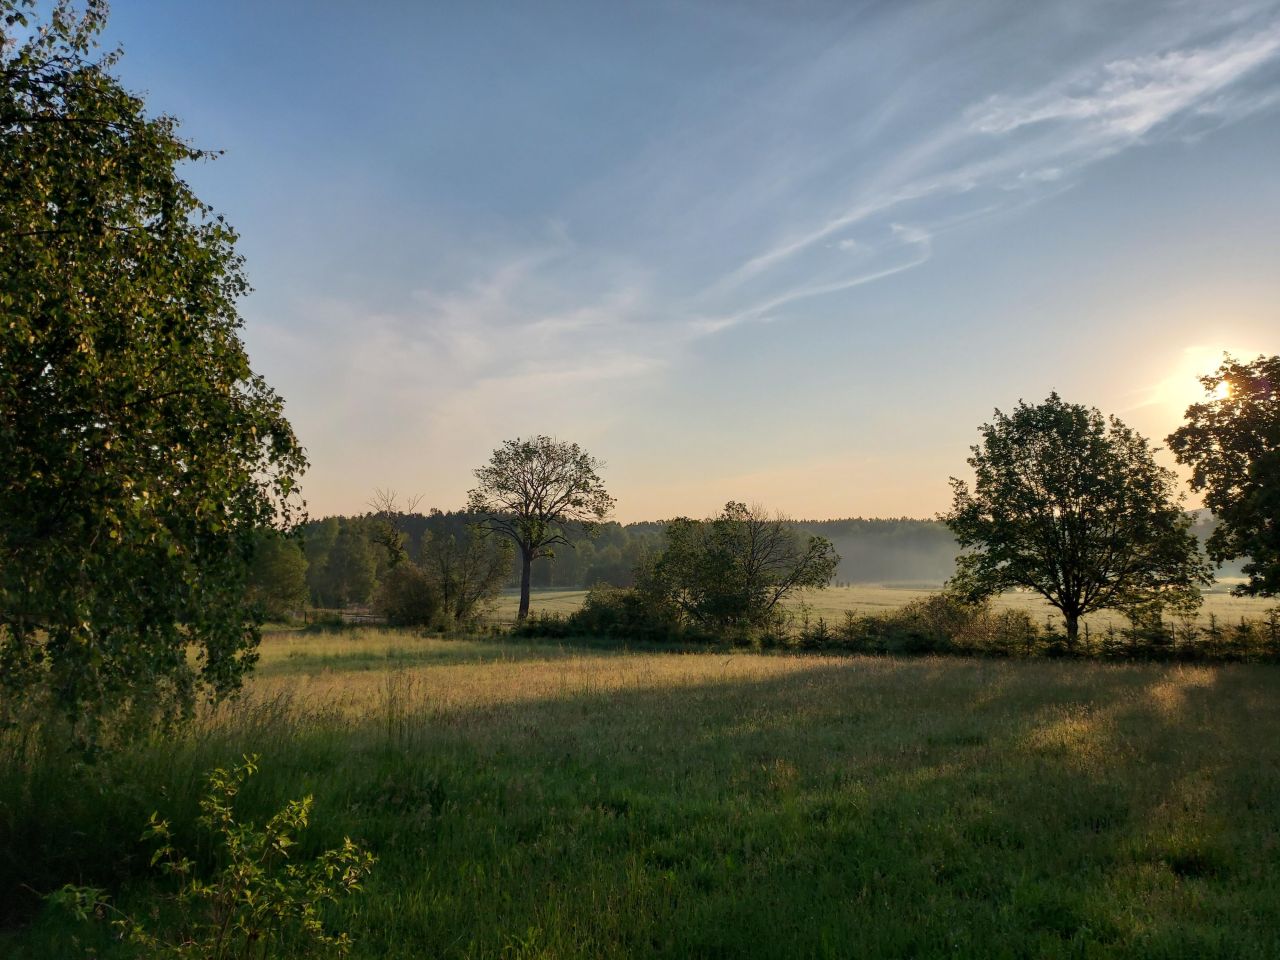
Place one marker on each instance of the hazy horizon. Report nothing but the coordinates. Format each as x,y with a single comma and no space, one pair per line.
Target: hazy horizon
736,253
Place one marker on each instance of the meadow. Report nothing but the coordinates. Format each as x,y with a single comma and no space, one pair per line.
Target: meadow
546,801
867,598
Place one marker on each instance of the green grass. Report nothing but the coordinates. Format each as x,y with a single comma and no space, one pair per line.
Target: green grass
539,801
561,602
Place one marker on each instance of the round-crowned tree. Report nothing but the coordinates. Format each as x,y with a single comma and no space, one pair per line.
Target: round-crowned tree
1072,505
140,455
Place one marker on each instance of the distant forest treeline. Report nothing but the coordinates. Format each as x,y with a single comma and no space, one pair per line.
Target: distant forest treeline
343,564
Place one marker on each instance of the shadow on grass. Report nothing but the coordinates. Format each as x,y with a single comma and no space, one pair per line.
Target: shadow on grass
849,807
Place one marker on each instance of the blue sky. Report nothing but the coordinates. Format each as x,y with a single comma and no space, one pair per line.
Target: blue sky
790,253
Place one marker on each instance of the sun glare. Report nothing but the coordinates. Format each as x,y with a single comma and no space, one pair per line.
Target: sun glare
1183,387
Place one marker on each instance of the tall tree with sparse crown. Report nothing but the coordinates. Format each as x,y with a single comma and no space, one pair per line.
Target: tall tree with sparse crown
534,492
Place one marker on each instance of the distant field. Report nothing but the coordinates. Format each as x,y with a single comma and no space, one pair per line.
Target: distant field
832,603
536,801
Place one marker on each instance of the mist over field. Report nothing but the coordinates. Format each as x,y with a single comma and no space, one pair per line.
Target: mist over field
921,552
897,552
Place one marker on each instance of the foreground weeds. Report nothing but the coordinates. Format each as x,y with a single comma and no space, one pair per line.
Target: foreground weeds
535,801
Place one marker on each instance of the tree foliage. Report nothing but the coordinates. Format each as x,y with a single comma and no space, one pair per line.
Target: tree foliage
387,526
731,571
407,597
278,576
532,491
450,587
349,572
1231,441
139,453
468,572
871,551
1072,506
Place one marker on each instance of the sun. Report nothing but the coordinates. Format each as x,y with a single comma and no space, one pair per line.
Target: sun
1183,387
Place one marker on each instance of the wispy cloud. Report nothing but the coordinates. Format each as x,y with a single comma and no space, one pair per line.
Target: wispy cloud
913,246
814,165
513,348
1128,98
559,315
1028,142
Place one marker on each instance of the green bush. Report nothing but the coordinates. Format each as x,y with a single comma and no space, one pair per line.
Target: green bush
1008,633
936,624
407,597
543,624
730,573
628,612
259,903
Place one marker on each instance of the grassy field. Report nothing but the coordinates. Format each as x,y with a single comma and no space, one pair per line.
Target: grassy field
863,598
537,801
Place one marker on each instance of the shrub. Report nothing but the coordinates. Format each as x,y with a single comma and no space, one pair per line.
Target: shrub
542,624
257,904
468,574
628,612
728,574
939,623
817,636
1008,633
407,597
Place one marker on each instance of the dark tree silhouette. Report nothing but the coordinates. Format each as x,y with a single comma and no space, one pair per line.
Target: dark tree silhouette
1231,441
1073,506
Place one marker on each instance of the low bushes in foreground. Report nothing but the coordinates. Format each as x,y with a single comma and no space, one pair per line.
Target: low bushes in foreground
258,903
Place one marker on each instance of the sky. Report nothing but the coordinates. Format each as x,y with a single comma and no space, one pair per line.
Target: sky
792,254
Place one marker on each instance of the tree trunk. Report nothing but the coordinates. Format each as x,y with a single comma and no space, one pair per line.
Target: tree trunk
526,565
1073,629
